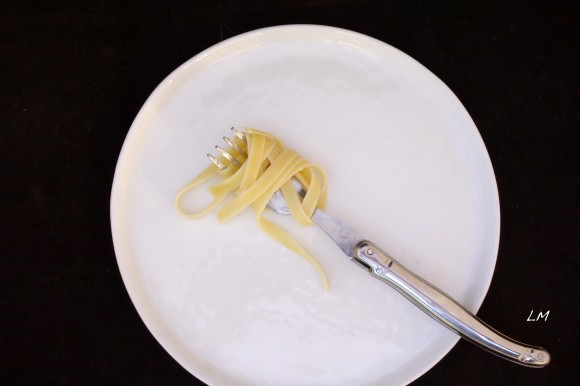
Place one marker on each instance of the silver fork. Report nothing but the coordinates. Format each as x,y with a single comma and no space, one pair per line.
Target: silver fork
424,295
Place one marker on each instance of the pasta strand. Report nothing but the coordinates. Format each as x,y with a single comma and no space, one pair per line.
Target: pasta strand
269,167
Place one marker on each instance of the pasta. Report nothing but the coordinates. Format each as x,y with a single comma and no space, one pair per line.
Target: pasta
269,167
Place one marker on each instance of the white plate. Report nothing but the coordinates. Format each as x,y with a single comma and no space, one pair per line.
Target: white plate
406,165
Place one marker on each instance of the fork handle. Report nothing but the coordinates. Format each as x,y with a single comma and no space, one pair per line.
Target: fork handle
444,309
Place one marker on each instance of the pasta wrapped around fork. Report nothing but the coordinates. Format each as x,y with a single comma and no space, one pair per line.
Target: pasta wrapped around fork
254,167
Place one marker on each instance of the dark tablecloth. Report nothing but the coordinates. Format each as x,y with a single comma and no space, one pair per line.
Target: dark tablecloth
75,73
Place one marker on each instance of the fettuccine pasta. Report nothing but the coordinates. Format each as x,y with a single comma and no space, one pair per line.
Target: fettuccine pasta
269,167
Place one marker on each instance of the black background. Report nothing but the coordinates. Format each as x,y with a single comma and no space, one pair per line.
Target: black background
74,75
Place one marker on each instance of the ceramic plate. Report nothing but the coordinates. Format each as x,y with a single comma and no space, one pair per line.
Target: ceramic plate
406,167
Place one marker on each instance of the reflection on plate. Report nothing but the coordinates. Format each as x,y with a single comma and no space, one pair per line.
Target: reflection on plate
406,167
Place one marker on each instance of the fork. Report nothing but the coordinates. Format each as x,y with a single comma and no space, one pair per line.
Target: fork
383,267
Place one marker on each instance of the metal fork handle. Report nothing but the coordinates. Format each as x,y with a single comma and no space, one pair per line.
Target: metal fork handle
444,309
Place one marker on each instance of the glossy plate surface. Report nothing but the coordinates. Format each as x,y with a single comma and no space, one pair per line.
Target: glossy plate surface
406,167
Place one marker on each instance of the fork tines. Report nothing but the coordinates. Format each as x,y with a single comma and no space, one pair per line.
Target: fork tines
234,155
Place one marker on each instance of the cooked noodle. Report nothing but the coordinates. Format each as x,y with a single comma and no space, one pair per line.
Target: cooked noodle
269,167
